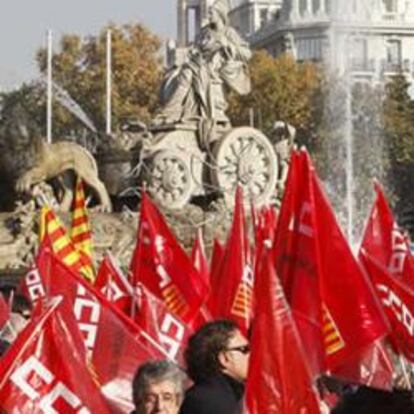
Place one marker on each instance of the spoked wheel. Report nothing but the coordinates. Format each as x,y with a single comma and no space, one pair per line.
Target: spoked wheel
170,182
245,157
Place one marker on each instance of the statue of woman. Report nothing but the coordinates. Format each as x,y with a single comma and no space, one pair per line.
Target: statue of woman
217,60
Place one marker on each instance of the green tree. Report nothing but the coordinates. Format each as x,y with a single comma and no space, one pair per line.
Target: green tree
80,68
399,133
282,89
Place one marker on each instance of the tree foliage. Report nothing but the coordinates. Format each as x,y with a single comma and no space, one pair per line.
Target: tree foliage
80,68
282,89
399,132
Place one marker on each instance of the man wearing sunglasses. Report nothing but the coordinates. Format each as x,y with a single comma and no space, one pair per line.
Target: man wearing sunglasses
217,360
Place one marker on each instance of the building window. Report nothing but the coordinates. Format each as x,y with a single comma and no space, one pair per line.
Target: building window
303,5
359,54
393,56
390,6
263,17
393,52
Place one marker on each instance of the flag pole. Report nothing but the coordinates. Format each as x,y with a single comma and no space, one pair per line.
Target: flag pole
108,81
49,87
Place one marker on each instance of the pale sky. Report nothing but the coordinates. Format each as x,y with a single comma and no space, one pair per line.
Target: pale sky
23,25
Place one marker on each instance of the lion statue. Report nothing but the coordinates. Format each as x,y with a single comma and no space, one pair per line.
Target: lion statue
52,160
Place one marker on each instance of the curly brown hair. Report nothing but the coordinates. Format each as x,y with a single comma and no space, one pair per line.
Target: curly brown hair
204,346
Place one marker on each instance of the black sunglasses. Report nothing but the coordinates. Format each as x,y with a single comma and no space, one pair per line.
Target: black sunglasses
243,349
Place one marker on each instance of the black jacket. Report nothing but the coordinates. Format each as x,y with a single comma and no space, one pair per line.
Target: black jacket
217,395
371,401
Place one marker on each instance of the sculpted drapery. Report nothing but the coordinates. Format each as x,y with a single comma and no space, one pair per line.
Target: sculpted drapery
216,62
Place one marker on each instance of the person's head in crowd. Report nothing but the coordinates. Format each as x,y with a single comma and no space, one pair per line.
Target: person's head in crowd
217,348
158,388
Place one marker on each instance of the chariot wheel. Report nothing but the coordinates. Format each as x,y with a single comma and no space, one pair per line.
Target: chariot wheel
169,181
245,157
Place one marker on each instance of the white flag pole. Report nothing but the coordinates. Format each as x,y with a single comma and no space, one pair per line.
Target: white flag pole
49,87
108,81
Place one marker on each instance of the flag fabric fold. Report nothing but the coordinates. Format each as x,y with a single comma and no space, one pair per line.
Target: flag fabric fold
279,379
80,232
163,267
115,345
384,241
168,330
333,302
232,287
112,283
45,370
54,233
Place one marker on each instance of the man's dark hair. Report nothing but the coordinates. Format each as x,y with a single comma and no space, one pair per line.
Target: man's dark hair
204,346
21,304
154,372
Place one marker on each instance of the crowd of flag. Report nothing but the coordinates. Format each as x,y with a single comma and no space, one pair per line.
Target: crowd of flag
310,306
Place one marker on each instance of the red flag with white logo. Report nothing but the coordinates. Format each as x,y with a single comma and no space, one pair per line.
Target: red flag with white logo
386,242
44,371
112,283
115,345
170,332
232,292
162,266
279,379
398,303
337,312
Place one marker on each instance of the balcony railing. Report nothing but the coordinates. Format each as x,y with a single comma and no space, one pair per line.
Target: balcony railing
362,65
396,66
369,66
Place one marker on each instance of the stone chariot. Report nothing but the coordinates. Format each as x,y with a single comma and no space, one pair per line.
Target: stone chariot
178,168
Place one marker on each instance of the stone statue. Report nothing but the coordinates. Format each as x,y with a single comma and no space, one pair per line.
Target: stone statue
52,160
289,44
216,61
284,142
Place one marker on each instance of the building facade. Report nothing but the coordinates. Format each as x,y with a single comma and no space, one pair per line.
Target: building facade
371,38
248,17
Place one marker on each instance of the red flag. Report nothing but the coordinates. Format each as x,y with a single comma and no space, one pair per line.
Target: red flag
265,222
386,242
161,265
4,311
199,259
338,315
111,282
216,257
44,371
398,303
114,343
232,293
277,382
170,332
215,262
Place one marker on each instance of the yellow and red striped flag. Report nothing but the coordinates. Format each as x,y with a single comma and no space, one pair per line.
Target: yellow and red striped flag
80,232
62,245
